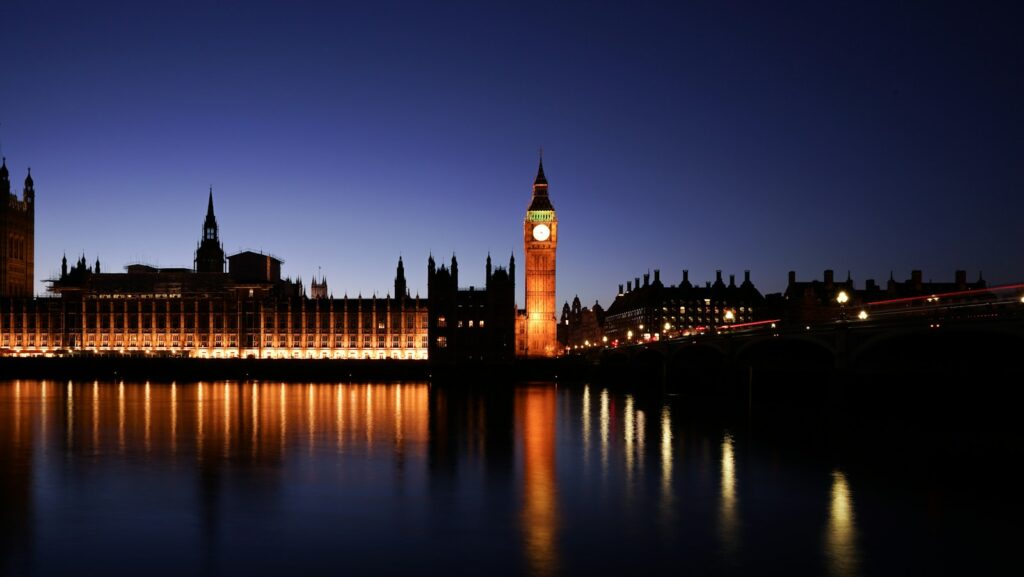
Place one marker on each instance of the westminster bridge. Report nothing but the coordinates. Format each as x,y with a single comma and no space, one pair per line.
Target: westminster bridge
977,343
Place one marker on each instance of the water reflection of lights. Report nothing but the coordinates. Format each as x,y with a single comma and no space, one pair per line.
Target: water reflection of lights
604,431
174,418
536,410
666,452
147,418
586,424
640,425
95,413
840,538
727,513
217,421
70,413
120,417
628,431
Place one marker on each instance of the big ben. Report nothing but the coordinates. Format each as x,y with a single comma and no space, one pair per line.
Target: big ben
540,239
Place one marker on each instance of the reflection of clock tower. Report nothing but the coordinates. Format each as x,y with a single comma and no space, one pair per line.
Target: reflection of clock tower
540,237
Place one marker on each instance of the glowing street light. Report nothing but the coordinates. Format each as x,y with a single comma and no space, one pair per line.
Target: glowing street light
629,335
842,298
862,315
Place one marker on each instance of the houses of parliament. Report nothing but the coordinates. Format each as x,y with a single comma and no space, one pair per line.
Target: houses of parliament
239,306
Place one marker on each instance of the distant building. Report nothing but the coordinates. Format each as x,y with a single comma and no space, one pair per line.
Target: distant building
580,326
653,310
816,301
249,311
17,237
471,323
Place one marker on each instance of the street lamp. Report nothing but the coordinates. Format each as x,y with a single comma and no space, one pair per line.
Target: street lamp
629,335
863,315
842,298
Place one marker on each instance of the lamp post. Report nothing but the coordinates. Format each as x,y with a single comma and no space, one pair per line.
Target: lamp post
842,298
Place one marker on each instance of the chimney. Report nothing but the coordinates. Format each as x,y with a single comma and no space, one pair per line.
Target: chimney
746,276
718,275
657,276
915,277
686,276
961,279
647,279
732,280
792,277
620,289
629,286
829,277
636,282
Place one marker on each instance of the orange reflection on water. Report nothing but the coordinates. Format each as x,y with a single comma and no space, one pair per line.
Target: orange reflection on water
216,421
535,414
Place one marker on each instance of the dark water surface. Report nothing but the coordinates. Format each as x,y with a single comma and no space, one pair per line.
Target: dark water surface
268,478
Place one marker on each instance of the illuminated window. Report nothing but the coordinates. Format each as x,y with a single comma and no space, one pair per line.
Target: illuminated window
441,322
481,323
470,324
442,342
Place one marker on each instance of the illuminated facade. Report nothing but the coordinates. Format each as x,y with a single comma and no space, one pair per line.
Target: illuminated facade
17,237
248,312
536,329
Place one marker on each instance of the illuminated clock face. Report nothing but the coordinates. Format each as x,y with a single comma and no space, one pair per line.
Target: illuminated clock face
541,232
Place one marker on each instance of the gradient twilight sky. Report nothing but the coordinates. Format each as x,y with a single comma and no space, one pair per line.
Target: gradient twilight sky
870,137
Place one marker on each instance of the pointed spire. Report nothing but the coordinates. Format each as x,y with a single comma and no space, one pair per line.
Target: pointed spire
5,181
541,179
209,206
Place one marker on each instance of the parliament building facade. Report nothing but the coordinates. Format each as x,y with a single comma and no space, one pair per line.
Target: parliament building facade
239,306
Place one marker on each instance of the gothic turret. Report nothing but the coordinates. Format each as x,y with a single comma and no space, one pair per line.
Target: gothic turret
401,291
5,178
30,190
210,253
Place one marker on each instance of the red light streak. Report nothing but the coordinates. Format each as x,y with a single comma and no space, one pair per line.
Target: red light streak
979,292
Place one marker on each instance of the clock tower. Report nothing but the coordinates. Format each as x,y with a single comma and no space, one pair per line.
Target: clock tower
540,239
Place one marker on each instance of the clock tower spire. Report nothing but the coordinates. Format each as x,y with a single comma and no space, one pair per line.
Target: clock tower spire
540,239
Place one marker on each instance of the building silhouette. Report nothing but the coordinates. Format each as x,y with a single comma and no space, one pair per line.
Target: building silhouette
17,237
471,323
653,310
815,301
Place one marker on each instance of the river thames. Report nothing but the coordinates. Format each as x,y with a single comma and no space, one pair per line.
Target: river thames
244,478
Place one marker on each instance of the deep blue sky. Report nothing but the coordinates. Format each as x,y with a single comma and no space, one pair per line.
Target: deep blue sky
716,135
